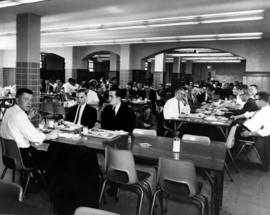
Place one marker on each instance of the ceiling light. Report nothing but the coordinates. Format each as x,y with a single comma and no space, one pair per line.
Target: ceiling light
202,54
10,3
253,18
240,38
216,61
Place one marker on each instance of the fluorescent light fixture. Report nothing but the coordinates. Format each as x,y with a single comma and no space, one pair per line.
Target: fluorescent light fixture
11,3
186,38
226,54
240,38
217,61
242,19
166,22
213,58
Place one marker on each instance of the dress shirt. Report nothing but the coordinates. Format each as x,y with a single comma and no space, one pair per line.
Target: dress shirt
92,97
17,126
69,88
171,108
80,113
260,122
116,108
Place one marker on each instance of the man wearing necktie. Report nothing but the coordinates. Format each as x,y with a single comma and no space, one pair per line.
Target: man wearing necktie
82,113
117,115
176,105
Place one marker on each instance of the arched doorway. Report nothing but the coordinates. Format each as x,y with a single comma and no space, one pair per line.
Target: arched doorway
185,64
100,64
52,67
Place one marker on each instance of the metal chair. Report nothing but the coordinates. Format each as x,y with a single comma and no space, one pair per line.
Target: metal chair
92,211
12,159
178,178
150,132
47,111
120,169
229,144
249,144
11,191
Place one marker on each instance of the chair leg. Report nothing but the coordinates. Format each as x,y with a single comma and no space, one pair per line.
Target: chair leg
233,161
4,173
228,172
200,202
154,201
259,157
102,192
139,206
27,183
13,175
241,149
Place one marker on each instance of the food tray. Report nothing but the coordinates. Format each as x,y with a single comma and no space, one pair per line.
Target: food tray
102,133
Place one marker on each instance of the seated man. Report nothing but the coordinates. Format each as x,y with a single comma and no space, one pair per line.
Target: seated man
117,115
82,113
17,126
259,123
176,105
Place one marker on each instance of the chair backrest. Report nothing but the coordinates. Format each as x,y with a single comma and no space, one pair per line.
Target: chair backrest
120,166
60,110
177,176
10,191
91,211
47,107
196,139
11,155
231,137
150,132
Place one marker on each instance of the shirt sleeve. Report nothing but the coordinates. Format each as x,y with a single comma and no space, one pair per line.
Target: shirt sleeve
256,123
27,129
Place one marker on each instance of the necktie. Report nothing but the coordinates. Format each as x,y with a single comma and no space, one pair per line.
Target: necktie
77,115
179,107
114,110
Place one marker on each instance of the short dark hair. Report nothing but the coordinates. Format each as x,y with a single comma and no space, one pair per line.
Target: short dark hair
254,85
263,96
81,91
118,92
22,91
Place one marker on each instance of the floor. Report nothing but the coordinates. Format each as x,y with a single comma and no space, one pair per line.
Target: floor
249,194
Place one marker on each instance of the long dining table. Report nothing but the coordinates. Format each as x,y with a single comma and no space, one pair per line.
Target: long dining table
207,157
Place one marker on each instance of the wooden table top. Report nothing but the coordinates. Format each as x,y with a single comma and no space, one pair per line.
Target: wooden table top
210,157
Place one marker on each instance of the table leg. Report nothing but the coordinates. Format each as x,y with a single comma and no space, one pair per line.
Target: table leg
217,194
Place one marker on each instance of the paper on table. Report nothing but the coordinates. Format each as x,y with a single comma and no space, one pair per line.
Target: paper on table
145,145
69,135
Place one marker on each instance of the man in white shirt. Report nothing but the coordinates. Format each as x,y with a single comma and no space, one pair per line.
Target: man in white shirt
69,87
92,96
176,105
259,124
17,126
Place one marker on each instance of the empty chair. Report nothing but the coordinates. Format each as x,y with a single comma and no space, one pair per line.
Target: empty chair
150,132
92,211
178,178
59,112
47,110
120,169
12,159
229,144
196,138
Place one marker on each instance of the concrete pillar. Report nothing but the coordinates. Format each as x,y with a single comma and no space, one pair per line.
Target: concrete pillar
28,54
176,64
159,69
188,69
125,65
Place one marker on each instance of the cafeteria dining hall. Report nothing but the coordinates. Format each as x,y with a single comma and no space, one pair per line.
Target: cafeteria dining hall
142,107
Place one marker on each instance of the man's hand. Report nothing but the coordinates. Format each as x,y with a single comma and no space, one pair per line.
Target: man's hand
245,133
52,135
32,113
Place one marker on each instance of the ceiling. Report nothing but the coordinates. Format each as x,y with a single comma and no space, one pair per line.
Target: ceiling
61,14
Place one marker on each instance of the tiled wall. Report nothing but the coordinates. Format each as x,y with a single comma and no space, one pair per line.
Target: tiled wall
158,78
9,76
28,76
1,77
125,77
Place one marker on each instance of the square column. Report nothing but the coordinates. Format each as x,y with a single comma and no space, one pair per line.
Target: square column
159,69
28,54
125,65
